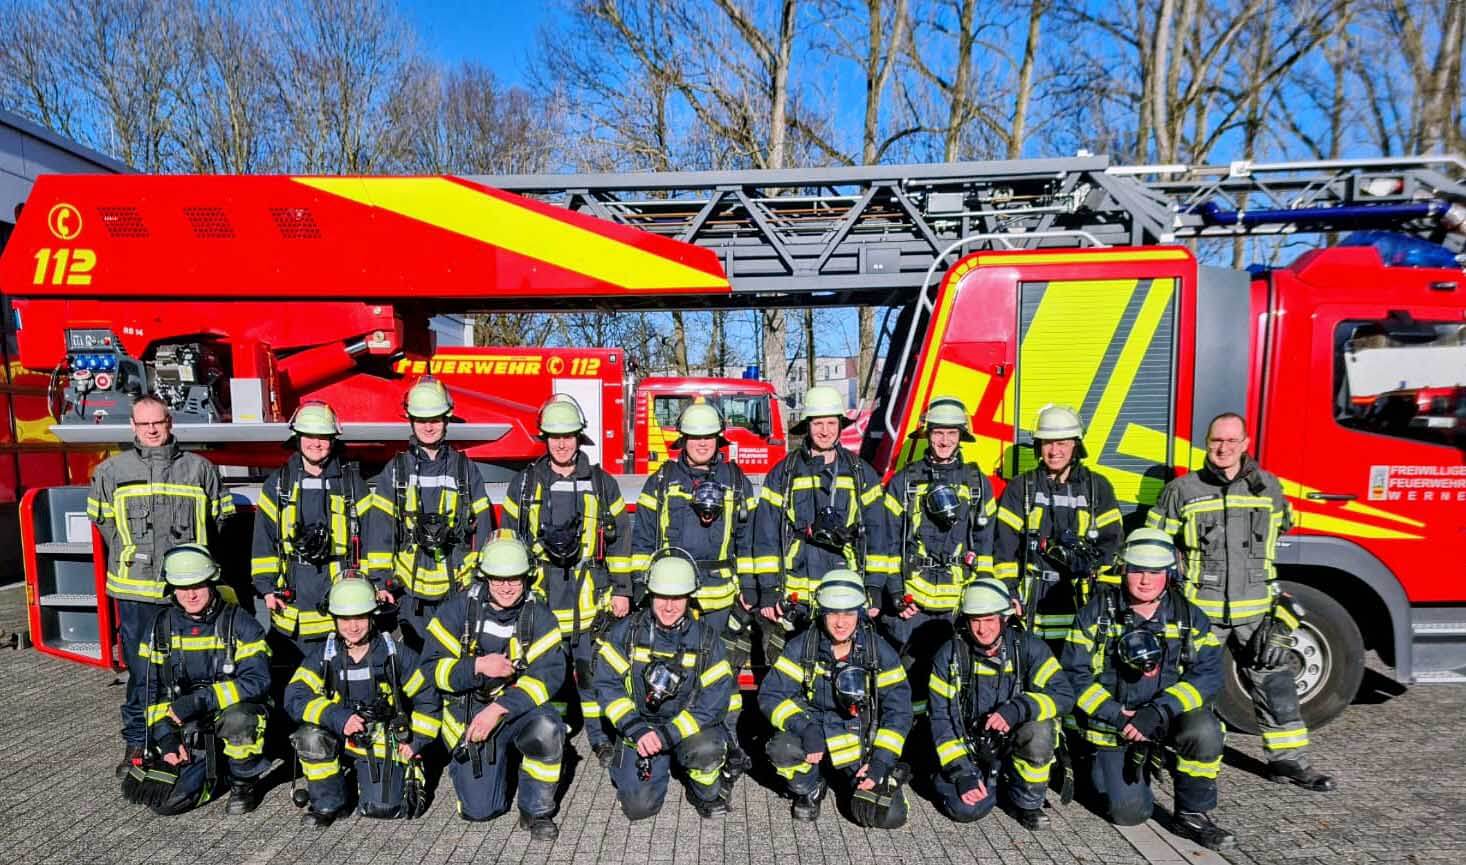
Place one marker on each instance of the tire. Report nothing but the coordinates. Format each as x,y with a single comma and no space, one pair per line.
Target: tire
1333,645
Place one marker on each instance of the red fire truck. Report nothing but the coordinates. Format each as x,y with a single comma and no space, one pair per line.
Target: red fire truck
236,297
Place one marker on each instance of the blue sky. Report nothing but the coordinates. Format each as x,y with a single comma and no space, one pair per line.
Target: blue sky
500,36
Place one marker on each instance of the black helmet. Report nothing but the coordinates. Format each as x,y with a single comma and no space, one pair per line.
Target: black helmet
851,685
1140,650
942,503
707,501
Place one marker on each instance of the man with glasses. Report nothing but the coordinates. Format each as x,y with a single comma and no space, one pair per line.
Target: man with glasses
146,501
1226,519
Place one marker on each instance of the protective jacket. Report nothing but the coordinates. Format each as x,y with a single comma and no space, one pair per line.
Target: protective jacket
937,558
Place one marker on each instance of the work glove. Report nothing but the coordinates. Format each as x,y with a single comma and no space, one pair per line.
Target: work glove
812,739
414,790
1151,721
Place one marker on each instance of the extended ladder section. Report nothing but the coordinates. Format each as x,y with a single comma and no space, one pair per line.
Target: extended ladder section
871,234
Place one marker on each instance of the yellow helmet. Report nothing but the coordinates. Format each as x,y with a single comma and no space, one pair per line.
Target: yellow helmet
428,400
1149,549
189,565
986,597
351,596
315,419
504,557
945,412
671,576
560,415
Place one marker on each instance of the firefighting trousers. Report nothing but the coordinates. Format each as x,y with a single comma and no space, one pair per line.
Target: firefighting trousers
641,785
1274,695
413,615
1122,775
238,742
1022,782
576,699
737,656
786,753
326,764
528,750
917,639
134,623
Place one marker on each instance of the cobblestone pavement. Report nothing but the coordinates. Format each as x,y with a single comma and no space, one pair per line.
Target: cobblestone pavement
1400,759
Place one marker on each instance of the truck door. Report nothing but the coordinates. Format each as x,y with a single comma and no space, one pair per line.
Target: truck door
1385,435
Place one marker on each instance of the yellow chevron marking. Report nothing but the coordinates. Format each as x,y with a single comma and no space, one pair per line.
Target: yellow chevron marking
462,210
1122,377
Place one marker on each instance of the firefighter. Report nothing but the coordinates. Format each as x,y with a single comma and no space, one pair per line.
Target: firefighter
145,501
944,525
431,514
996,698
821,508
703,504
1058,525
571,515
1226,519
496,656
663,677
207,681
1147,670
307,533
838,695
359,695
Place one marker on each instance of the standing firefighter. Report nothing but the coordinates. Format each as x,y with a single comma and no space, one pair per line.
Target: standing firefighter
307,533
145,501
838,695
1226,519
1058,524
996,698
1147,670
360,692
945,514
496,657
821,508
571,514
703,504
664,679
207,681
431,514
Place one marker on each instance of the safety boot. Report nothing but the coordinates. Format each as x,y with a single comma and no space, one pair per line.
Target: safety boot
317,819
1198,826
606,755
709,808
244,796
806,807
738,763
133,756
1032,819
1293,772
541,828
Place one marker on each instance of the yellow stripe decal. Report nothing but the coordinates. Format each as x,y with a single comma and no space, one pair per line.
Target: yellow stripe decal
451,206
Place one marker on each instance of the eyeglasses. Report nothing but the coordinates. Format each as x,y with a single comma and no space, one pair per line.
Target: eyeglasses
152,423
1224,441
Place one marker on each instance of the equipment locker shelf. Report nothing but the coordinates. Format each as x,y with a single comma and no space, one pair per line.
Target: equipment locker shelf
65,588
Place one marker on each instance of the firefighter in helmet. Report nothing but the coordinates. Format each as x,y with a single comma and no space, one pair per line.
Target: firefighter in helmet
1147,670
359,695
570,513
944,521
996,698
1058,525
663,677
838,695
821,508
703,504
207,683
307,533
1227,518
496,656
431,514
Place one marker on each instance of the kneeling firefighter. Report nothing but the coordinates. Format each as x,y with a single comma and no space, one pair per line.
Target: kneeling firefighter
703,503
1147,669
361,692
207,683
996,698
839,694
495,654
663,677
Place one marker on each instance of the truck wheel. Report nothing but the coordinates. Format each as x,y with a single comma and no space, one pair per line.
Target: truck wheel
1328,664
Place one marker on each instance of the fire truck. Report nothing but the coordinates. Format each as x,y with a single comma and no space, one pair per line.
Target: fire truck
1012,284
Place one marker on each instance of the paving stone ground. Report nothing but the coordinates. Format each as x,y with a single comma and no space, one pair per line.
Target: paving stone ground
1399,757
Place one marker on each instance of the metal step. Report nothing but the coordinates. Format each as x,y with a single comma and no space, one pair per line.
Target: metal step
89,649
1439,677
68,599
64,548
